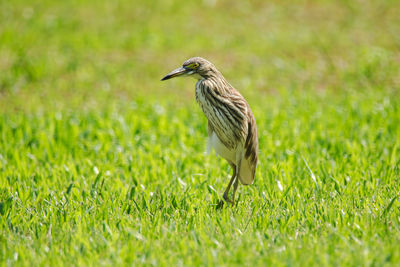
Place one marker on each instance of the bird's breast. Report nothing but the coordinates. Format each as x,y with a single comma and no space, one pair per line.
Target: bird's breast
226,119
227,153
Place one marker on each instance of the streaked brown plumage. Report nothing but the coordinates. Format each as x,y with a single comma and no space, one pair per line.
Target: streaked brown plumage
232,128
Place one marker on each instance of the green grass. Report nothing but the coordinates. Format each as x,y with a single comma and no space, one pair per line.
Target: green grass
101,163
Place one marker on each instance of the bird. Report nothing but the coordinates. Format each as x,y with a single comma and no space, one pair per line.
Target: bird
231,126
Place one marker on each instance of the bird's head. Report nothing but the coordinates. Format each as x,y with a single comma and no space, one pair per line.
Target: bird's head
196,66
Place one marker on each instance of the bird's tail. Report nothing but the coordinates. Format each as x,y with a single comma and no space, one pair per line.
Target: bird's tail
247,172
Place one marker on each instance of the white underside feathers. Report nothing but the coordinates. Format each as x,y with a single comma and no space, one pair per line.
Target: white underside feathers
232,155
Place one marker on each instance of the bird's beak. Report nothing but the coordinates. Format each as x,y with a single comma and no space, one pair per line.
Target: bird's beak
175,73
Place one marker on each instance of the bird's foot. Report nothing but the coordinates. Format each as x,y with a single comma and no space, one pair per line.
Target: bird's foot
225,199
220,204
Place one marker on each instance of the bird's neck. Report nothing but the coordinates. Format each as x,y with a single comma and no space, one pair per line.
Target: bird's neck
217,80
197,76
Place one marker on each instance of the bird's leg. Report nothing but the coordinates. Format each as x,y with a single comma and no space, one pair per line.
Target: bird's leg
226,196
235,186
226,193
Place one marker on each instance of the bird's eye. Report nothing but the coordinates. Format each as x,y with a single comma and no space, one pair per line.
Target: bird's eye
192,66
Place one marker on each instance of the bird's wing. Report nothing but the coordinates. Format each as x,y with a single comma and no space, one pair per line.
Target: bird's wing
249,161
226,114
230,117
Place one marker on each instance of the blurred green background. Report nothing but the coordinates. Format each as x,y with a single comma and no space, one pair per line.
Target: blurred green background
102,163
82,53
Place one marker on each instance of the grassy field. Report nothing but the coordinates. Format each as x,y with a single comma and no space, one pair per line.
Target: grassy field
101,163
